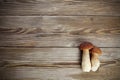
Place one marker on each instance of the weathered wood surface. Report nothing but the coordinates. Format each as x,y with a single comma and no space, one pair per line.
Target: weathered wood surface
61,40
61,24
110,72
54,31
60,7
55,64
51,55
39,39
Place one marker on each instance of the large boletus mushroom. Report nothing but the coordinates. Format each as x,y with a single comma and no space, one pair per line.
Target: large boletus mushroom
86,64
94,58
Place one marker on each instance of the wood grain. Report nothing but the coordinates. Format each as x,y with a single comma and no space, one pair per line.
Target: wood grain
50,57
54,31
55,64
39,39
58,42
59,7
110,72
60,23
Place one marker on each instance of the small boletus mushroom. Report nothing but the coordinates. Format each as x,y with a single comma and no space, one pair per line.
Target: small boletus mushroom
94,58
86,64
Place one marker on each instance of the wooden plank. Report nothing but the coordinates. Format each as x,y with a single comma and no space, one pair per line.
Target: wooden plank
50,57
110,72
59,42
60,7
54,64
60,23
59,31
38,1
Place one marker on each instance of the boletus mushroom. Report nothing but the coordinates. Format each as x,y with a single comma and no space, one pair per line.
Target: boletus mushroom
86,64
94,58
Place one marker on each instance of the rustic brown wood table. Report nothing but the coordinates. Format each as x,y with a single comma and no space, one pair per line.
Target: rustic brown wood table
39,39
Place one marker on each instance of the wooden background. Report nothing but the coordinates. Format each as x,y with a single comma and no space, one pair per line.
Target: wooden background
39,39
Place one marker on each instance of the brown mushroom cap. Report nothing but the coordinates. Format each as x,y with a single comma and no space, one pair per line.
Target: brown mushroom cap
96,50
86,45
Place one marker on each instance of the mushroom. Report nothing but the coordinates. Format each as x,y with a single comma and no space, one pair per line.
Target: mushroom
94,58
86,64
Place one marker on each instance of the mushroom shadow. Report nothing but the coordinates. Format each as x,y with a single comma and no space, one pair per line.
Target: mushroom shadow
80,58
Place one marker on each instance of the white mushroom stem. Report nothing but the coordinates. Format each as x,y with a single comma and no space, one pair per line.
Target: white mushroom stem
86,65
95,62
